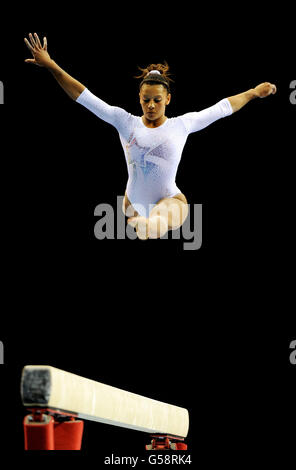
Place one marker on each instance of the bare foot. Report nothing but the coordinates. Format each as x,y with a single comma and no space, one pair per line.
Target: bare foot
153,227
141,226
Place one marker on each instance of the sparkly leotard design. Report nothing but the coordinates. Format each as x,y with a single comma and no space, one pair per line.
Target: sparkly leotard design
152,154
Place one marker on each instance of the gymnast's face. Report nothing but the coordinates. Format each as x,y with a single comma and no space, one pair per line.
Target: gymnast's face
154,99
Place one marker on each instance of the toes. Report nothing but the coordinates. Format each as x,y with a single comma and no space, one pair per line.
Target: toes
132,221
142,228
140,224
142,234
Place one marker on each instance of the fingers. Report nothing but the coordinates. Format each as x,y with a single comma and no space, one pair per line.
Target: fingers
35,46
266,89
28,45
32,41
272,88
31,45
37,40
30,61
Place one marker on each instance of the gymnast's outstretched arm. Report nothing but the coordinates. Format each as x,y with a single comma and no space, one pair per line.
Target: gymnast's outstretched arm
72,87
199,120
260,91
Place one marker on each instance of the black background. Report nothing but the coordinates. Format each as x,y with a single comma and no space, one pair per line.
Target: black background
208,330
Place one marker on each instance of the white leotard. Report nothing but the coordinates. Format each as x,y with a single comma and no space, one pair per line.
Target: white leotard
152,154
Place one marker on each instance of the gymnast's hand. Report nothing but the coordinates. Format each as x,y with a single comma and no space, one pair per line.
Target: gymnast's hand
265,89
39,52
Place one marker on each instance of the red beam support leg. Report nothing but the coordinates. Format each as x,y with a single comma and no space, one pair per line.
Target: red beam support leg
68,435
46,432
39,434
166,442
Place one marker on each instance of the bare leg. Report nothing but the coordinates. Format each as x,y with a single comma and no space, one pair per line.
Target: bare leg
168,214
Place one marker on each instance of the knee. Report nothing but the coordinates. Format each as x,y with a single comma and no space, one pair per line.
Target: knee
175,211
178,215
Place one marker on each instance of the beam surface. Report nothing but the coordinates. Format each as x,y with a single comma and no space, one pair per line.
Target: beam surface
49,387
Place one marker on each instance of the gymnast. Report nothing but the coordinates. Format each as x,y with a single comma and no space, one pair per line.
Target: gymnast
152,143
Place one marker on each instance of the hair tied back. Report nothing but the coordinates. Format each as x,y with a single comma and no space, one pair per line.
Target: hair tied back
156,72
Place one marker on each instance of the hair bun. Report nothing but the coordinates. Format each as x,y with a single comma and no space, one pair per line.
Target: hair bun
157,69
154,72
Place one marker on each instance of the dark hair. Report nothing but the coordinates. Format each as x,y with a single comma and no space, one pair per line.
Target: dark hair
156,79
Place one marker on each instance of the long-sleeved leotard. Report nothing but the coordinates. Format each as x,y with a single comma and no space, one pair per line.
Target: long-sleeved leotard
152,154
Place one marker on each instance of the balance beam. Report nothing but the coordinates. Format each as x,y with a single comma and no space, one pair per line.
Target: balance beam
64,392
